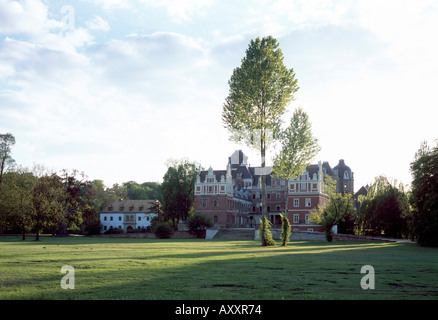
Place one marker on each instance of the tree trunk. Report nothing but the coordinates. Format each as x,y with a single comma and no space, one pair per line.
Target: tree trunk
37,234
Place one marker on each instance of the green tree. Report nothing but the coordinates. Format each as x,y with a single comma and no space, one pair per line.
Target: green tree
424,200
334,210
285,230
177,190
46,212
260,89
74,201
298,148
385,209
19,187
198,223
6,142
264,232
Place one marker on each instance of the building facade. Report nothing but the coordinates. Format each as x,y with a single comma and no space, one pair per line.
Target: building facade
127,215
233,197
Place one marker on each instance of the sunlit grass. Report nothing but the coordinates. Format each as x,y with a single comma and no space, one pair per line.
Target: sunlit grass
108,268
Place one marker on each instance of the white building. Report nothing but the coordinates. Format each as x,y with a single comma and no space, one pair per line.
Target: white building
127,215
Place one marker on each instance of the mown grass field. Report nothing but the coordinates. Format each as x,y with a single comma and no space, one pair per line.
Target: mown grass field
189,269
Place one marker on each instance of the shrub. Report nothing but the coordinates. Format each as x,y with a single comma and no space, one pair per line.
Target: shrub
285,230
198,223
264,232
163,230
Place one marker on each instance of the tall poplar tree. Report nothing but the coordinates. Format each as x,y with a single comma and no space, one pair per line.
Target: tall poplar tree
260,90
298,148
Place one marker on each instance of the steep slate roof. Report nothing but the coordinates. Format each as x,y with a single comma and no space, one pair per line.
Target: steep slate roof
130,206
216,173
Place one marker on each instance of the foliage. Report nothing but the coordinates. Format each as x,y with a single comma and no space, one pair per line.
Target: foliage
264,232
424,200
163,230
285,230
178,190
385,209
199,222
92,227
334,210
299,147
144,191
259,91
7,140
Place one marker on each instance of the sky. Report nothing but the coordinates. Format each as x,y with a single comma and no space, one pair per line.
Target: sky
116,88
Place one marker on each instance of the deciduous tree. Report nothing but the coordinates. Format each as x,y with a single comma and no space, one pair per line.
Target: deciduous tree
6,142
259,91
334,210
298,148
178,190
424,171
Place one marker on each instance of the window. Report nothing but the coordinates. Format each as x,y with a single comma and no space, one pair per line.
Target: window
269,196
269,208
204,203
306,218
253,196
111,218
296,202
296,218
310,229
104,227
139,218
278,196
120,218
278,208
215,203
147,218
210,189
308,202
121,208
215,219
104,218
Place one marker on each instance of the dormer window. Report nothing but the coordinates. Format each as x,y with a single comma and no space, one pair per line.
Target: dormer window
121,208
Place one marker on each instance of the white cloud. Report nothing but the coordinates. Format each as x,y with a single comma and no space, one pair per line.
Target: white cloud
109,5
27,17
180,11
98,24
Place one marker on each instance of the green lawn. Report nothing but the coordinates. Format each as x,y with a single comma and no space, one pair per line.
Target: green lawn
108,268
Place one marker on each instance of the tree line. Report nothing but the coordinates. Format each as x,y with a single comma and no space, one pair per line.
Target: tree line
388,208
40,200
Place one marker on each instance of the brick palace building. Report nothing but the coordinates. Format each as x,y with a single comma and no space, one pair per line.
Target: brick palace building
232,197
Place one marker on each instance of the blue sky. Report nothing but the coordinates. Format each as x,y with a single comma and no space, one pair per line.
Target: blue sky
116,88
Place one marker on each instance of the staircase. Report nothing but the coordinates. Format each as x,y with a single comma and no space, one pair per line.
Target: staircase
235,234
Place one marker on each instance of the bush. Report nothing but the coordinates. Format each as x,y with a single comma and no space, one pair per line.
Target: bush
285,230
198,223
163,230
264,232
92,227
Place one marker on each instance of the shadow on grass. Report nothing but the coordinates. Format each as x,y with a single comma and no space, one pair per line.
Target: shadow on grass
234,270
